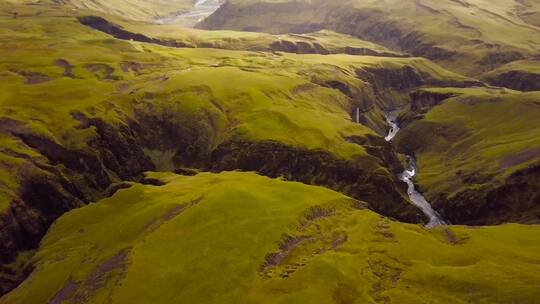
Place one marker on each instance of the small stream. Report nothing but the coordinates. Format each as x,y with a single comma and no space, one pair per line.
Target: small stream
408,175
394,128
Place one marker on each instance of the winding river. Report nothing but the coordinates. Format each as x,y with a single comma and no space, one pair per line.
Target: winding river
408,175
200,10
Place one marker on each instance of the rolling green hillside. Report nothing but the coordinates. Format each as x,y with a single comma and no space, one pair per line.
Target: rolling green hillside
469,36
82,111
521,75
152,163
134,9
243,238
479,151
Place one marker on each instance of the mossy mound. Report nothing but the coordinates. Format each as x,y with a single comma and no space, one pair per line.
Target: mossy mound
240,237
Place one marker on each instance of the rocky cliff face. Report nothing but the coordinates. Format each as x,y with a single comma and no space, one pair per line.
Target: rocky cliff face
321,168
66,178
517,80
515,199
442,131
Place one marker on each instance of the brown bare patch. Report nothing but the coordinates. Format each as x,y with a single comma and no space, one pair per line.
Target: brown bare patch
176,210
339,238
314,213
101,70
519,158
286,245
10,126
313,238
68,68
65,293
130,66
317,212
171,214
383,231
32,77
111,270
387,273
304,88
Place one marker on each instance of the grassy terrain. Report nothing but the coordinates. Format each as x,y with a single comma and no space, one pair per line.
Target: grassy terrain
321,42
478,138
239,237
146,10
520,75
470,36
81,110
74,101
486,128
264,97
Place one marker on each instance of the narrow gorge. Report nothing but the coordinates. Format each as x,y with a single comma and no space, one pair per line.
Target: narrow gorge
408,175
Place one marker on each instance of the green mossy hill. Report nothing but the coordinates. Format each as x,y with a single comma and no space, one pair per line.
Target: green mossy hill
523,75
478,154
81,111
469,36
243,238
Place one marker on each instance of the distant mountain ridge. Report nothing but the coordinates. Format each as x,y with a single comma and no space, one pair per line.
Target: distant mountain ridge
143,10
470,37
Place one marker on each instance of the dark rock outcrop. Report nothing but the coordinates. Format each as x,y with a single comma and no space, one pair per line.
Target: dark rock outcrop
117,31
517,80
496,59
422,100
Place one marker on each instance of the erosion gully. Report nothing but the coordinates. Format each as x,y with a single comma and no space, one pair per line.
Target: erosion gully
408,175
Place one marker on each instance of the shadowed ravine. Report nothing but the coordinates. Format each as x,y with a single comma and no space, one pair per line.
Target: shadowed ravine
407,176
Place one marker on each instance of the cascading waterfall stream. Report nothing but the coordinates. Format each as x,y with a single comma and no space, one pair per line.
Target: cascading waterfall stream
407,176
394,128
